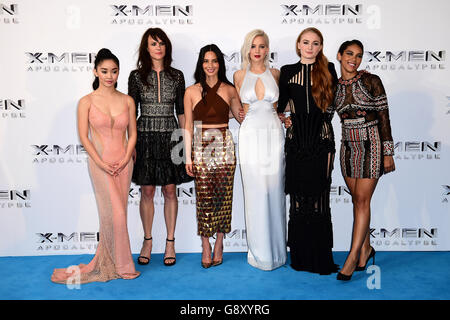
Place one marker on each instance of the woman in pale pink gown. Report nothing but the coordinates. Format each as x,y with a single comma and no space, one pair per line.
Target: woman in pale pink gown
108,115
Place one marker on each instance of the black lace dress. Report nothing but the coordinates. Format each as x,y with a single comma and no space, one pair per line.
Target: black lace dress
157,155
310,151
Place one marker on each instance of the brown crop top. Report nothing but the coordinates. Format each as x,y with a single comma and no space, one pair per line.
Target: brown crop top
212,109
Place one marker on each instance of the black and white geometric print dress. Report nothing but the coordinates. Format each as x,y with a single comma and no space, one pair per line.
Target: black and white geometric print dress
361,103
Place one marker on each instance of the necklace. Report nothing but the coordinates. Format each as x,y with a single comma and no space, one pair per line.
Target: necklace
354,79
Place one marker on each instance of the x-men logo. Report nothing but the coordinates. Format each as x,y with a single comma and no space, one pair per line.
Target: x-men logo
328,9
44,237
70,149
447,190
34,57
159,10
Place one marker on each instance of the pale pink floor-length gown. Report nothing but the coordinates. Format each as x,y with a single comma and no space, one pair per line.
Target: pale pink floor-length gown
113,258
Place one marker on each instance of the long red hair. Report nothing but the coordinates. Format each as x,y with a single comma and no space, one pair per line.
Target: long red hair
322,81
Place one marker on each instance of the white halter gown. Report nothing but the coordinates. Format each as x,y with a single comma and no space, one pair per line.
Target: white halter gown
262,165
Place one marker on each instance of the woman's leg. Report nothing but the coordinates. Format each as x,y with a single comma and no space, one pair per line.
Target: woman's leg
218,247
361,191
206,251
147,211
170,215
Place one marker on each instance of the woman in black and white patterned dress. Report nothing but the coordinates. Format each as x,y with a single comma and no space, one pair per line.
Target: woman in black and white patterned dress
367,147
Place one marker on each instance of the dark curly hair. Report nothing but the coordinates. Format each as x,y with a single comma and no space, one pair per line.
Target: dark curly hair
348,43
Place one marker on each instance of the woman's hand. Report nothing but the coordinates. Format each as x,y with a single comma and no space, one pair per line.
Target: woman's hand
120,166
108,168
133,156
388,163
189,169
286,120
241,114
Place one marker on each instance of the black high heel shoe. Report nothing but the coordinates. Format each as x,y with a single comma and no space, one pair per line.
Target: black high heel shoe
168,264
371,255
344,277
143,257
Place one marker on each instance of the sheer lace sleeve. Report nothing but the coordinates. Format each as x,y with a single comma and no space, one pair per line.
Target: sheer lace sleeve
384,125
181,87
133,88
332,107
284,93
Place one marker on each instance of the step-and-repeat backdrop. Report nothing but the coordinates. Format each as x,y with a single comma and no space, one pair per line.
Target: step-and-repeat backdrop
47,205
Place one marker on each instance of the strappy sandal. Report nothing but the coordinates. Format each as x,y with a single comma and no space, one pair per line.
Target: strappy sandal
143,257
168,264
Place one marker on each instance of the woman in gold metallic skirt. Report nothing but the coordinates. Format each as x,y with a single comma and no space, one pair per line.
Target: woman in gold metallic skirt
211,159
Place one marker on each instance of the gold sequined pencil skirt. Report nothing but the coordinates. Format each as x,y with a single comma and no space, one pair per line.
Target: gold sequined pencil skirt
214,164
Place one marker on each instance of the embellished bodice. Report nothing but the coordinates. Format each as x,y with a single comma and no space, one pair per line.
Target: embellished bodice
361,102
311,128
296,89
157,101
248,93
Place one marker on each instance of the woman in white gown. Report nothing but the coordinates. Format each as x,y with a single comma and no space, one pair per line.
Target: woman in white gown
261,154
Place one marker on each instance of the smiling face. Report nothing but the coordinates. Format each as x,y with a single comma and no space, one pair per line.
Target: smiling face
210,64
309,46
107,72
156,48
258,50
350,60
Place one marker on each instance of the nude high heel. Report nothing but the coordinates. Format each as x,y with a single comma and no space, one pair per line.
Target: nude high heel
206,265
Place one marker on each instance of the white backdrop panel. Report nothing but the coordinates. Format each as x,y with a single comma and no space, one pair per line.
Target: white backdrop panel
47,204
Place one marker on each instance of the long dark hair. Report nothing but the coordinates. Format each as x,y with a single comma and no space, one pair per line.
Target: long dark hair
144,63
102,55
200,76
348,43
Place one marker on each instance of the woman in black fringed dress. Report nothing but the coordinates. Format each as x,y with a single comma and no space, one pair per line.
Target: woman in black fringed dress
158,89
307,88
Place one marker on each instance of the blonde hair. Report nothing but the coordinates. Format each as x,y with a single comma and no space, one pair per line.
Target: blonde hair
245,50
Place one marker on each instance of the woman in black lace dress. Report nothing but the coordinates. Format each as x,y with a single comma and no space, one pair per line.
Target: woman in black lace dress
367,147
157,90
307,87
